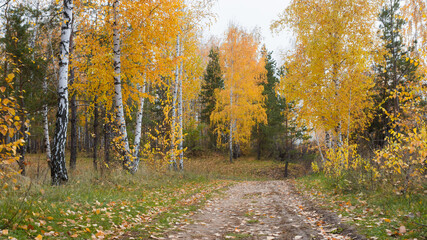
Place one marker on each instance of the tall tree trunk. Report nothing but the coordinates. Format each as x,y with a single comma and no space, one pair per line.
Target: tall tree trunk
174,99
58,168
339,132
260,141
95,132
73,108
320,148
181,116
46,125
24,135
138,129
106,139
120,115
287,150
87,135
286,168
230,140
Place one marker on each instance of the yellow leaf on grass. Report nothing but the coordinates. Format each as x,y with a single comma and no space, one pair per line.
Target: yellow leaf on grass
387,220
100,233
5,232
39,237
98,211
49,218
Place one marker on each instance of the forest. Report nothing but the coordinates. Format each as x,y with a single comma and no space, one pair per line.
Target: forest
121,120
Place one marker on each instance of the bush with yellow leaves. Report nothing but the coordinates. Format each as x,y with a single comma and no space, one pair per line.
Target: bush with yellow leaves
10,125
346,163
403,161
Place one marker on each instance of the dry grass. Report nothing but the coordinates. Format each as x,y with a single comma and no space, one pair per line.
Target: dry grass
245,168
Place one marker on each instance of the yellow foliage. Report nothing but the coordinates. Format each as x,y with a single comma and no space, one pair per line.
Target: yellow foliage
327,75
344,159
403,159
240,103
9,125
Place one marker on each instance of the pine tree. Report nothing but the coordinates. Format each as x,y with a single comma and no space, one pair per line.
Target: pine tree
274,107
212,81
25,61
396,70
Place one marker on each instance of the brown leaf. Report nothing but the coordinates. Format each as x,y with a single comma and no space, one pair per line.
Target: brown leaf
402,230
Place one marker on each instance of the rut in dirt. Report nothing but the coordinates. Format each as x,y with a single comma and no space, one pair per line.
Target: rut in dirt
261,210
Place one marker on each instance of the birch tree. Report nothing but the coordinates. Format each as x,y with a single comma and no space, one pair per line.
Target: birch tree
118,98
138,129
332,58
239,104
174,100
194,12
46,125
58,168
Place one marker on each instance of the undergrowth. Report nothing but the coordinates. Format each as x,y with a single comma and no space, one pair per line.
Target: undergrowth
379,213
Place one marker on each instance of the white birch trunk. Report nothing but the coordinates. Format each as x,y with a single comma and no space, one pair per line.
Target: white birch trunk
138,129
58,168
339,142
46,125
174,99
320,149
349,120
118,98
230,141
180,114
328,139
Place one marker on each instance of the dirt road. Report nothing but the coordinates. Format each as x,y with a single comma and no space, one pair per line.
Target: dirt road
261,210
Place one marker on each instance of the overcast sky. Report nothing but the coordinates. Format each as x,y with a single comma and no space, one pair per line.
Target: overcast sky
251,14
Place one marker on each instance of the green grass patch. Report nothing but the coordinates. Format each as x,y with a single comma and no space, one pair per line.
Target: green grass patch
381,213
238,235
253,221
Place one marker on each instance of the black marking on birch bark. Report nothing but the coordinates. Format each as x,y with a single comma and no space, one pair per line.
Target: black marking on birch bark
58,169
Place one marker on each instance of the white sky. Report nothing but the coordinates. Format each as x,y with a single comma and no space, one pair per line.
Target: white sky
250,14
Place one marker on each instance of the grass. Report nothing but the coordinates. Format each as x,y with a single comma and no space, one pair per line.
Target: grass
238,235
248,168
90,205
253,221
379,214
